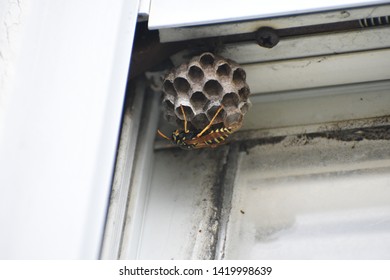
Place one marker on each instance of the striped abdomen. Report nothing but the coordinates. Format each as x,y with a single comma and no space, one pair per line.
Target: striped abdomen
213,138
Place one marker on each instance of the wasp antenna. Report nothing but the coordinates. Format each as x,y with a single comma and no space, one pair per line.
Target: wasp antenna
185,119
211,122
163,135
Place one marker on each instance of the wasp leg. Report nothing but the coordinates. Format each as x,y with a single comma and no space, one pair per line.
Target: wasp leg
210,123
163,135
185,119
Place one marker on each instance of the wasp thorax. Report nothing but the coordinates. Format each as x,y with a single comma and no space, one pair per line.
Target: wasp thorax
201,86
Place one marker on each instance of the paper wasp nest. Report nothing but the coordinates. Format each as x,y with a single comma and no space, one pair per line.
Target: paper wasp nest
201,86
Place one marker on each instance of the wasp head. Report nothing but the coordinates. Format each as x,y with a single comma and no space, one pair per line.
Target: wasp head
181,137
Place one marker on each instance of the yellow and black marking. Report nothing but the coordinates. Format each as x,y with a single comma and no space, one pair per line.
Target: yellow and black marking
216,137
187,139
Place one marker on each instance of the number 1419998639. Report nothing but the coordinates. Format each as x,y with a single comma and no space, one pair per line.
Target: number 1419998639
231,270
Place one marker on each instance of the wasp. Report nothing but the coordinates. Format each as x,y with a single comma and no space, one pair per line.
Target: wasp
196,139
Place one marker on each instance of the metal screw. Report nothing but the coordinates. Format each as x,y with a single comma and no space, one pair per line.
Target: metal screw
267,37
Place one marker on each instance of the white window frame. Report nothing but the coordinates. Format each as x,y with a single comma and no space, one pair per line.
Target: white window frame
65,77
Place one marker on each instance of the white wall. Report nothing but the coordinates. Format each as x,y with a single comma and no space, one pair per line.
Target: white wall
63,67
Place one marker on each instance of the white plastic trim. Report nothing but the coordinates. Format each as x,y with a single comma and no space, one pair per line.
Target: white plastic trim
140,179
60,127
329,70
325,44
122,177
190,13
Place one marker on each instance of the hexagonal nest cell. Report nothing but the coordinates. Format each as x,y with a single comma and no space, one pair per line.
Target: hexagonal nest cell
201,86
